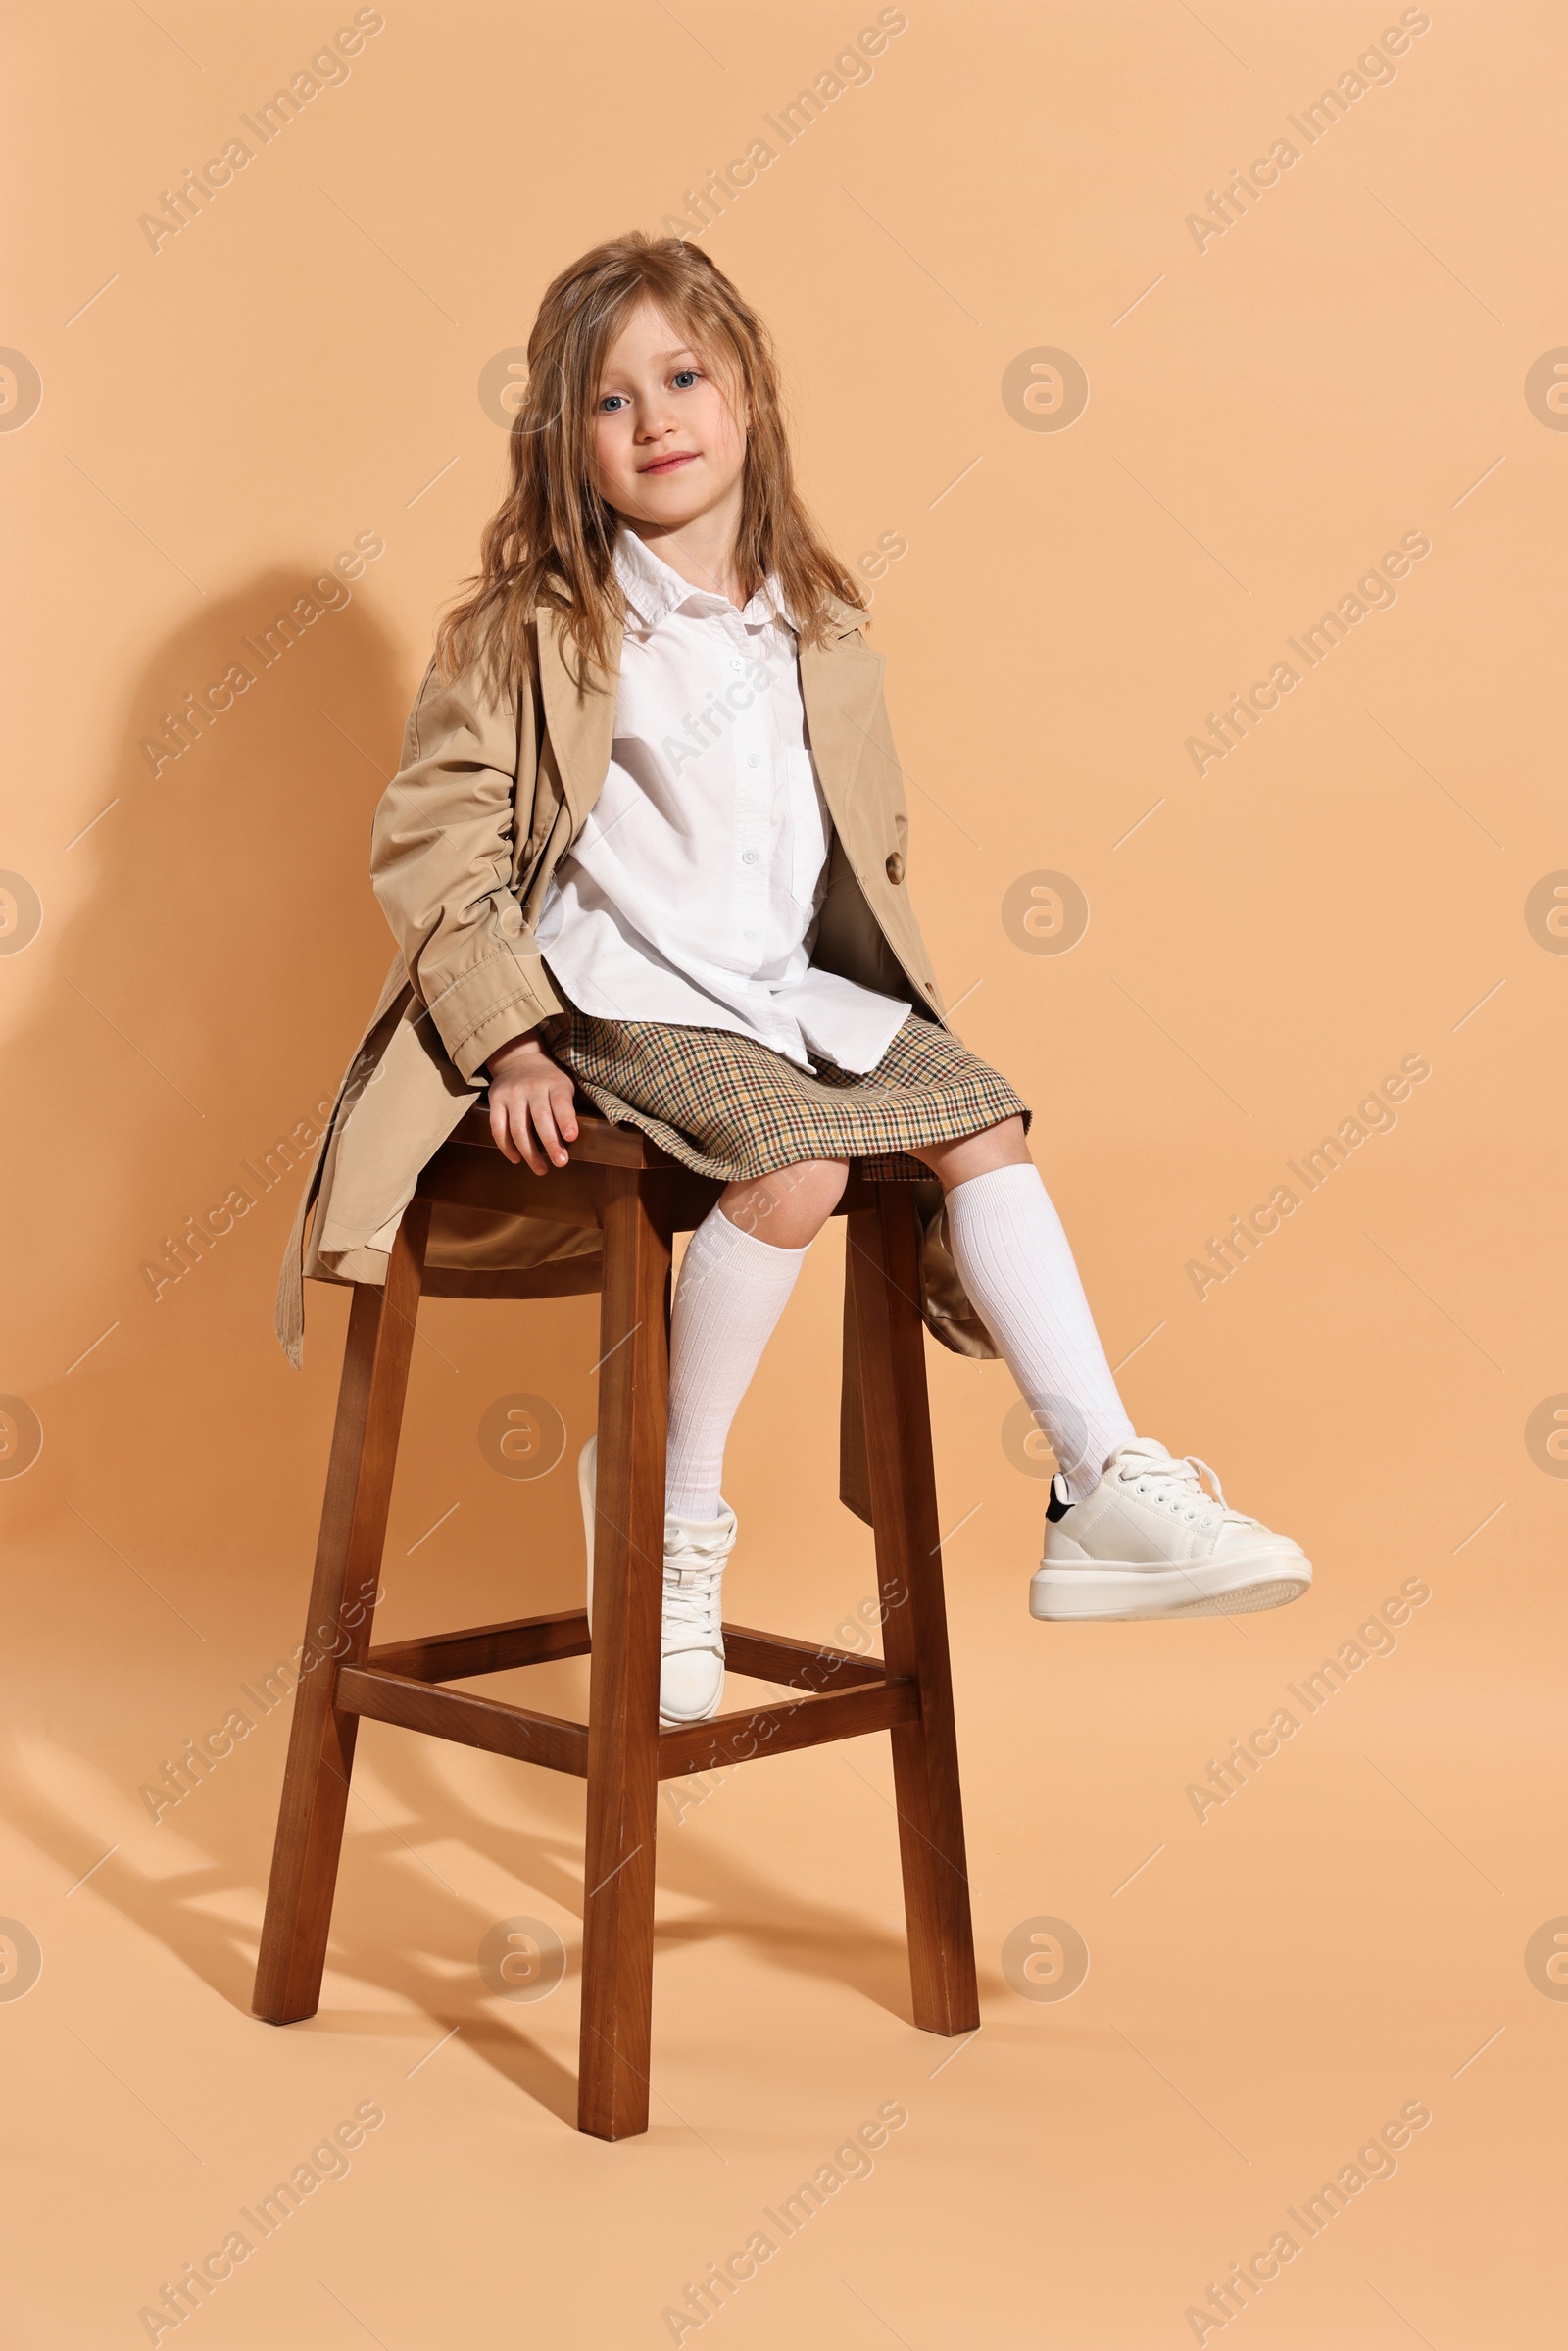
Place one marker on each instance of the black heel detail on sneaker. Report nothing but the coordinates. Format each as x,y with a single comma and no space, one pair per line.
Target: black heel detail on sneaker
1058,1505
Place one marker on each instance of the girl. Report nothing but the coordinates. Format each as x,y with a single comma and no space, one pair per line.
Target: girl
648,846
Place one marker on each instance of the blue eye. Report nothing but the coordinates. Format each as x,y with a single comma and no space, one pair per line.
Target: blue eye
690,374
604,408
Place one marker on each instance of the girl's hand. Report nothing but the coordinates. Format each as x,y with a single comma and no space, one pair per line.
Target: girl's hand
531,1117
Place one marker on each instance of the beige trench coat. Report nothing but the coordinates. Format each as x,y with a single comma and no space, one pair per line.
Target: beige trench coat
492,791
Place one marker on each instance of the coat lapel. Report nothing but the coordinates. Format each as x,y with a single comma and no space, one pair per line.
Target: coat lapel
840,681
580,727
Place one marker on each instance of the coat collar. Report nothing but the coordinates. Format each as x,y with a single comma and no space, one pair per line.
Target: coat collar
839,683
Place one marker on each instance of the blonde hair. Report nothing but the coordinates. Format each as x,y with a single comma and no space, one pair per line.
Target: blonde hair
552,540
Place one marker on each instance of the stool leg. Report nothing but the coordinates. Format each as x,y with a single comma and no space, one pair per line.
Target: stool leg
348,1566
618,1962
883,1245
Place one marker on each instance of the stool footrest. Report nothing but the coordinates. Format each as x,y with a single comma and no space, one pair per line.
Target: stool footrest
416,1705
803,1722
798,1664
486,1649
843,1696
535,1640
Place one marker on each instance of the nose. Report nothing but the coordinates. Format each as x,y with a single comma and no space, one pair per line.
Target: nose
654,421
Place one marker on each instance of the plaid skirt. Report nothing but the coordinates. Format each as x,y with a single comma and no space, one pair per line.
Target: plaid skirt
730,1108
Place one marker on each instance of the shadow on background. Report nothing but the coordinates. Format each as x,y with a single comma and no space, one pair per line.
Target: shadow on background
206,988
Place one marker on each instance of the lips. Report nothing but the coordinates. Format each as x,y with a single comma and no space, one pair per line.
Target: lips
669,465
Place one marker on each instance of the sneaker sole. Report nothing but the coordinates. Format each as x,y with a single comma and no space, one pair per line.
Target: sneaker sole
1122,1594
694,1722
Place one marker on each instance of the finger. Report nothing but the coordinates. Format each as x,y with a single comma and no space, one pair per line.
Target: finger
544,1119
528,1150
565,1113
500,1129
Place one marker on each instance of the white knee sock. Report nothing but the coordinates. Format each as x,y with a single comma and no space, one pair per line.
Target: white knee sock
1014,1261
731,1292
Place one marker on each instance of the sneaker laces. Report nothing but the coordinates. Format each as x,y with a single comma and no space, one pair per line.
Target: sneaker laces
1177,1480
693,1574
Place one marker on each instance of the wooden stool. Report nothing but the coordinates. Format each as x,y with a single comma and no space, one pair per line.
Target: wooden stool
637,1198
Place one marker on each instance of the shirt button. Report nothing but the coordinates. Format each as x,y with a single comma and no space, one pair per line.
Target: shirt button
735,661
747,856
753,760
895,867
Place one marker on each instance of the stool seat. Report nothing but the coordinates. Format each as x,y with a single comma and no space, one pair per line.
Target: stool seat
619,1181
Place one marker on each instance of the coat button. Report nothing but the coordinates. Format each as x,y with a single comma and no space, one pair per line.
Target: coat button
895,867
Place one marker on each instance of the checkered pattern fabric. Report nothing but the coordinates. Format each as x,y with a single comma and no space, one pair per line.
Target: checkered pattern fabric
731,1109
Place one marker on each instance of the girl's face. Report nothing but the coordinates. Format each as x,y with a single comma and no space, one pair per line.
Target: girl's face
668,446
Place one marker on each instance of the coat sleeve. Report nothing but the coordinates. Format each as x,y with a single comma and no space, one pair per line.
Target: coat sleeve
441,864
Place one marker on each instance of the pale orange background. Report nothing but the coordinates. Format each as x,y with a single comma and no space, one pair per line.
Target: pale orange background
300,366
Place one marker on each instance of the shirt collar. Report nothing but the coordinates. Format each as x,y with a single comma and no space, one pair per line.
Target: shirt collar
654,588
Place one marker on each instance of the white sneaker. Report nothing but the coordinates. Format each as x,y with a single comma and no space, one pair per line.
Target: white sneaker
691,1677
1150,1541
691,1674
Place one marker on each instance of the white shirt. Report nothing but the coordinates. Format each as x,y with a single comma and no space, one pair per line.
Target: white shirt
691,894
